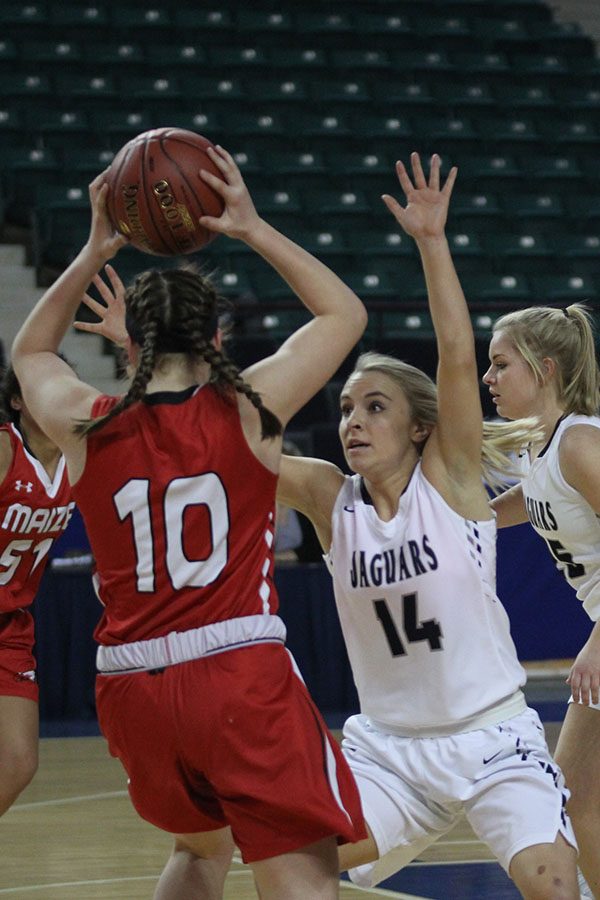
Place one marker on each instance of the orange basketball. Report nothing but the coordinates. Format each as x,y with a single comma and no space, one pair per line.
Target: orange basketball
156,194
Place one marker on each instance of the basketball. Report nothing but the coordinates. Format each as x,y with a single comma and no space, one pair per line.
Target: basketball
156,194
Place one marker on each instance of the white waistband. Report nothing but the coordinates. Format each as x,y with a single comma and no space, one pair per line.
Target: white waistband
506,709
182,646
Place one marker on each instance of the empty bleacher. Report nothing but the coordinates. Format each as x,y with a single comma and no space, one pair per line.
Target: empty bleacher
316,103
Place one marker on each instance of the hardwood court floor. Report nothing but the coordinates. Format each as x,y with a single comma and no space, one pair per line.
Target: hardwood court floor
73,835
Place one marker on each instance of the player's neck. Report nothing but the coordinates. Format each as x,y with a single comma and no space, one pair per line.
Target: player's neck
176,372
44,450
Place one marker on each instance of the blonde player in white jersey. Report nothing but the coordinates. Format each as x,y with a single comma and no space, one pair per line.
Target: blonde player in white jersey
444,730
543,363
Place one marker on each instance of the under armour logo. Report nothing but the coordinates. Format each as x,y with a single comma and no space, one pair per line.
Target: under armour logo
25,485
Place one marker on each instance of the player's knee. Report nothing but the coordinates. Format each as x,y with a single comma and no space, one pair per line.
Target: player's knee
17,768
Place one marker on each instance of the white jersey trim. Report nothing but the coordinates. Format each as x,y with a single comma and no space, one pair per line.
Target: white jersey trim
50,485
183,646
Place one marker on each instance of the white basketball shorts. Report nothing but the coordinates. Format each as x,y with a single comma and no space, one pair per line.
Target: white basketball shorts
413,790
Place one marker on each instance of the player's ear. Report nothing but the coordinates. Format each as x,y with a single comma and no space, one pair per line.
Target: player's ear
16,402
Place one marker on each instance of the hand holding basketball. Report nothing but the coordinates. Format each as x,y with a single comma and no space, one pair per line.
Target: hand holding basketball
104,238
239,216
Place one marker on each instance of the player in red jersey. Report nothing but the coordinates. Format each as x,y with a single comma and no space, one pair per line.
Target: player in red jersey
35,508
197,694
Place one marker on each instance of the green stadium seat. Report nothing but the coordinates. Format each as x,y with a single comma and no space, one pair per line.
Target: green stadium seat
520,252
87,162
567,288
11,125
505,32
407,324
48,55
510,132
483,322
323,23
305,59
580,97
270,286
149,89
319,126
429,62
388,25
122,55
575,132
54,127
86,88
229,59
278,93
8,51
80,17
341,93
562,37
29,14
404,91
232,282
184,55
533,207
490,288
363,61
374,283
578,252
263,124
548,64
27,86
390,246
292,162
201,21
200,88
382,125
445,28
269,201
560,167
140,18
530,97
470,94
482,62
260,21
191,118
113,127
445,130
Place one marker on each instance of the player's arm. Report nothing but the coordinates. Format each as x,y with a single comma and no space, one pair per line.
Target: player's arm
308,359
458,434
510,507
52,391
310,486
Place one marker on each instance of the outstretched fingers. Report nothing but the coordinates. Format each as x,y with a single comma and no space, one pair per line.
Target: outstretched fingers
418,174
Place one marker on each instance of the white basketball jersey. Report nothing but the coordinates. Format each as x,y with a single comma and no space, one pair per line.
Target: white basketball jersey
427,638
565,519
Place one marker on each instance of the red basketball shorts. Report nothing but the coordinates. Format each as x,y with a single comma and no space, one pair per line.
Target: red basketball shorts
17,662
231,739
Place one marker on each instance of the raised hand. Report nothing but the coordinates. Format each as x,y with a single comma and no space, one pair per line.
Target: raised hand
111,313
239,216
426,210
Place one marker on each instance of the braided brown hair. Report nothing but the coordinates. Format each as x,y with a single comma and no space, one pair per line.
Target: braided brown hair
176,311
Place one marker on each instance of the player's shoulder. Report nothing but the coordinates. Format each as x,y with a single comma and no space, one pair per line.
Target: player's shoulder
581,434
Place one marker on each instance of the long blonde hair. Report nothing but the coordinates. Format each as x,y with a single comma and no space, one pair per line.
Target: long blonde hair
567,337
501,440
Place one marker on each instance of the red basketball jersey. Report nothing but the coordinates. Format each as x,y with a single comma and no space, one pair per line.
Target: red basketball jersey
34,512
180,516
